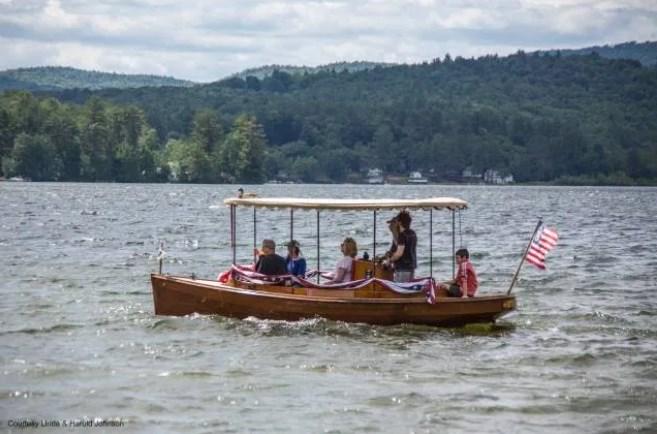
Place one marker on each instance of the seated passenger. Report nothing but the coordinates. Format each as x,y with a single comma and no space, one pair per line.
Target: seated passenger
296,264
344,267
269,262
465,283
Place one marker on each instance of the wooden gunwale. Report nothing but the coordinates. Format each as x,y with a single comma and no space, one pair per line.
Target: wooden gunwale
266,290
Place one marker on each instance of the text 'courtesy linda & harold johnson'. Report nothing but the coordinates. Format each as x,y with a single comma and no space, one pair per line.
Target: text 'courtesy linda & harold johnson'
65,423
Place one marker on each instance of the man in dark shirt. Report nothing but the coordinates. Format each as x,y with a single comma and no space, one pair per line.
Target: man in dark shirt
404,258
269,262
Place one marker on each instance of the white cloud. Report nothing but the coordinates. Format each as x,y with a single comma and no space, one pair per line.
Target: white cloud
206,40
54,15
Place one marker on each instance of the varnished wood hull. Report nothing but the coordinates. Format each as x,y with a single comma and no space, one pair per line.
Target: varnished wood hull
182,296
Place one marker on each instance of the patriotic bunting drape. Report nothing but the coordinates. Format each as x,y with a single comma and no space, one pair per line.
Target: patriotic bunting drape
247,274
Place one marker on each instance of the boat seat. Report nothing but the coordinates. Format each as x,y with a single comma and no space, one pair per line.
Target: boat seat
440,292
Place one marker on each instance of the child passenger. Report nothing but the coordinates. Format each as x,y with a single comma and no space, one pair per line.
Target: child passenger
343,269
465,281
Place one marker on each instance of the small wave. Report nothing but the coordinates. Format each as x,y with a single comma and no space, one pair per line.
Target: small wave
412,399
640,248
487,329
83,240
601,259
166,324
282,327
134,292
196,374
606,317
52,329
647,313
584,359
237,372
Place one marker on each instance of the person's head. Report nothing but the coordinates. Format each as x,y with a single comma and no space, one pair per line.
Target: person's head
293,248
349,247
268,247
393,225
404,219
462,255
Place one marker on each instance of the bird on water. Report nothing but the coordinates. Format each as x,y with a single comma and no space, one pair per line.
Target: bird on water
242,195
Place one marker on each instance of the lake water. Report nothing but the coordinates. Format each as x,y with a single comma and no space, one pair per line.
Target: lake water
80,341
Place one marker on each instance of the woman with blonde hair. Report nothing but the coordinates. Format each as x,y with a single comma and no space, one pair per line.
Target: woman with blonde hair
344,267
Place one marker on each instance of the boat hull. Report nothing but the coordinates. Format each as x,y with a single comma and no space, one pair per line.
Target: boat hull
183,296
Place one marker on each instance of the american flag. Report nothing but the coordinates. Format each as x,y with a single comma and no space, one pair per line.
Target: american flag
544,241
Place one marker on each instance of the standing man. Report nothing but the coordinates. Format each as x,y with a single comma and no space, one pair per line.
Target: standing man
404,258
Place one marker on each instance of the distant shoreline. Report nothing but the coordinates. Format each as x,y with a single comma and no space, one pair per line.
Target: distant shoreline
517,184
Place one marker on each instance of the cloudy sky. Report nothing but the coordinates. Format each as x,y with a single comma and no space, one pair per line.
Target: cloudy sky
205,40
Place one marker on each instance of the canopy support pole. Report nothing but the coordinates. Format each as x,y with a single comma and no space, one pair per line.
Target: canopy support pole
255,235
318,270
291,224
233,236
374,241
431,243
453,241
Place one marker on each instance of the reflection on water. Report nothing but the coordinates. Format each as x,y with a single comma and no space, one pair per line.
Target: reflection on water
80,340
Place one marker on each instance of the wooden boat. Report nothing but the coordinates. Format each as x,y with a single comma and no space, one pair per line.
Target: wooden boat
371,302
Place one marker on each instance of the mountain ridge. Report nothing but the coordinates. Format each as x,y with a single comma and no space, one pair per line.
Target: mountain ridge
354,66
644,52
55,78
52,78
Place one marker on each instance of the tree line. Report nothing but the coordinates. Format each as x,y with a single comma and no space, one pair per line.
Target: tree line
45,140
542,118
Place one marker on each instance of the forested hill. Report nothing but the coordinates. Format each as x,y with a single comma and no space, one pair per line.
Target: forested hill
265,71
644,52
541,118
56,77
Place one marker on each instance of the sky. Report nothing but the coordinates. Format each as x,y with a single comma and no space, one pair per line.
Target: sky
205,40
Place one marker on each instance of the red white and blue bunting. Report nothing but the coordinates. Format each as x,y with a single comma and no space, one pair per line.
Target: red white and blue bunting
246,274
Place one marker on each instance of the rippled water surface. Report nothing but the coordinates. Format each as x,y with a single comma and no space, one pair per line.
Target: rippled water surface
79,338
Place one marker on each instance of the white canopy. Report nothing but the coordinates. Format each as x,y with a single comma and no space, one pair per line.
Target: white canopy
348,204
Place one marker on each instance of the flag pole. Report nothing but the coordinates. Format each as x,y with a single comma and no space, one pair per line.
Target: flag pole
515,276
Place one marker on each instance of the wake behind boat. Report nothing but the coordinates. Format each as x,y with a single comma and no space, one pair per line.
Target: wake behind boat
370,296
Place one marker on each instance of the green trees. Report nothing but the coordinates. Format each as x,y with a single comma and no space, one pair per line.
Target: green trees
94,142
206,158
34,157
243,152
207,130
187,161
538,117
383,148
6,135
